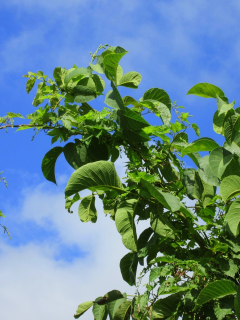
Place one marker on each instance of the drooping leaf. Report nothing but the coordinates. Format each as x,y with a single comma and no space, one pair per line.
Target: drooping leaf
202,144
86,210
48,163
130,80
123,311
82,308
111,62
99,175
159,95
206,90
124,220
168,200
128,267
216,290
219,159
75,154
230,187
233,217
144,237
100,311
112,295
166,307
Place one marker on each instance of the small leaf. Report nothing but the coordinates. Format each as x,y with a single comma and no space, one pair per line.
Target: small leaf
130,80
230,187
206,90
48,163
196,129
86,210
202,144
30,84
215,290
82,308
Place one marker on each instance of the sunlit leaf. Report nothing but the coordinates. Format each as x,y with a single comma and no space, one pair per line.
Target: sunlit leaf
206,90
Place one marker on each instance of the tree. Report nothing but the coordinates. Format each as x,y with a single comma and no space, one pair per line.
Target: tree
191,253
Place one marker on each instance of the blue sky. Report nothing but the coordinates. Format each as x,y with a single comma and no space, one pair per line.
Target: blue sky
53,261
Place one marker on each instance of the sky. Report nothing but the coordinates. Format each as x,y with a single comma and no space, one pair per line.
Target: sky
53,261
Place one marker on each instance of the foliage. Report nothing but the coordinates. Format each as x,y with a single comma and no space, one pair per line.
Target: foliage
190,254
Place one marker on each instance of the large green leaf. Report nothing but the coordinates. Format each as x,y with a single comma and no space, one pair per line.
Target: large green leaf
111,101
215,290
99,175
230,187
168,200
111,62
166,307
82,308
123,311
100,311
113,306
202,144
192,183
48,163
206,173
233,217
159,95
219,159
124,220
75,154
128,267
77,74
130,80
83,94
86,210
160,224
206,90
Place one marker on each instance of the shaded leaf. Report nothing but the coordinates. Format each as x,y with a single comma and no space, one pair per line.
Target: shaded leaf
233,217
219,159
128,267
83,94
123,311
166,307
130,80
48,163
159,95
86,210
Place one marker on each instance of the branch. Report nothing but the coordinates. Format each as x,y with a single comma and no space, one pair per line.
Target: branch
25,125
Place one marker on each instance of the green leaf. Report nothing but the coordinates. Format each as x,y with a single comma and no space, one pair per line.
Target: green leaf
208,194
206,173
124,220
113,296
77,74
130,80
75,154
168,200
113,306
160,224
159,95
215,290
111,62
118,96
192,183
59,75
219,159
119,74
111,100
83,94
206,90
99,83
99,175
48,163
82,308
233,217
166,307
237,303
160,272
144,237
14,115
127,100
230,187
196,129
218,122
97,150
224,107
128,267
100,312
96,67
223,307
202,144
30,84
123,311
86,210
